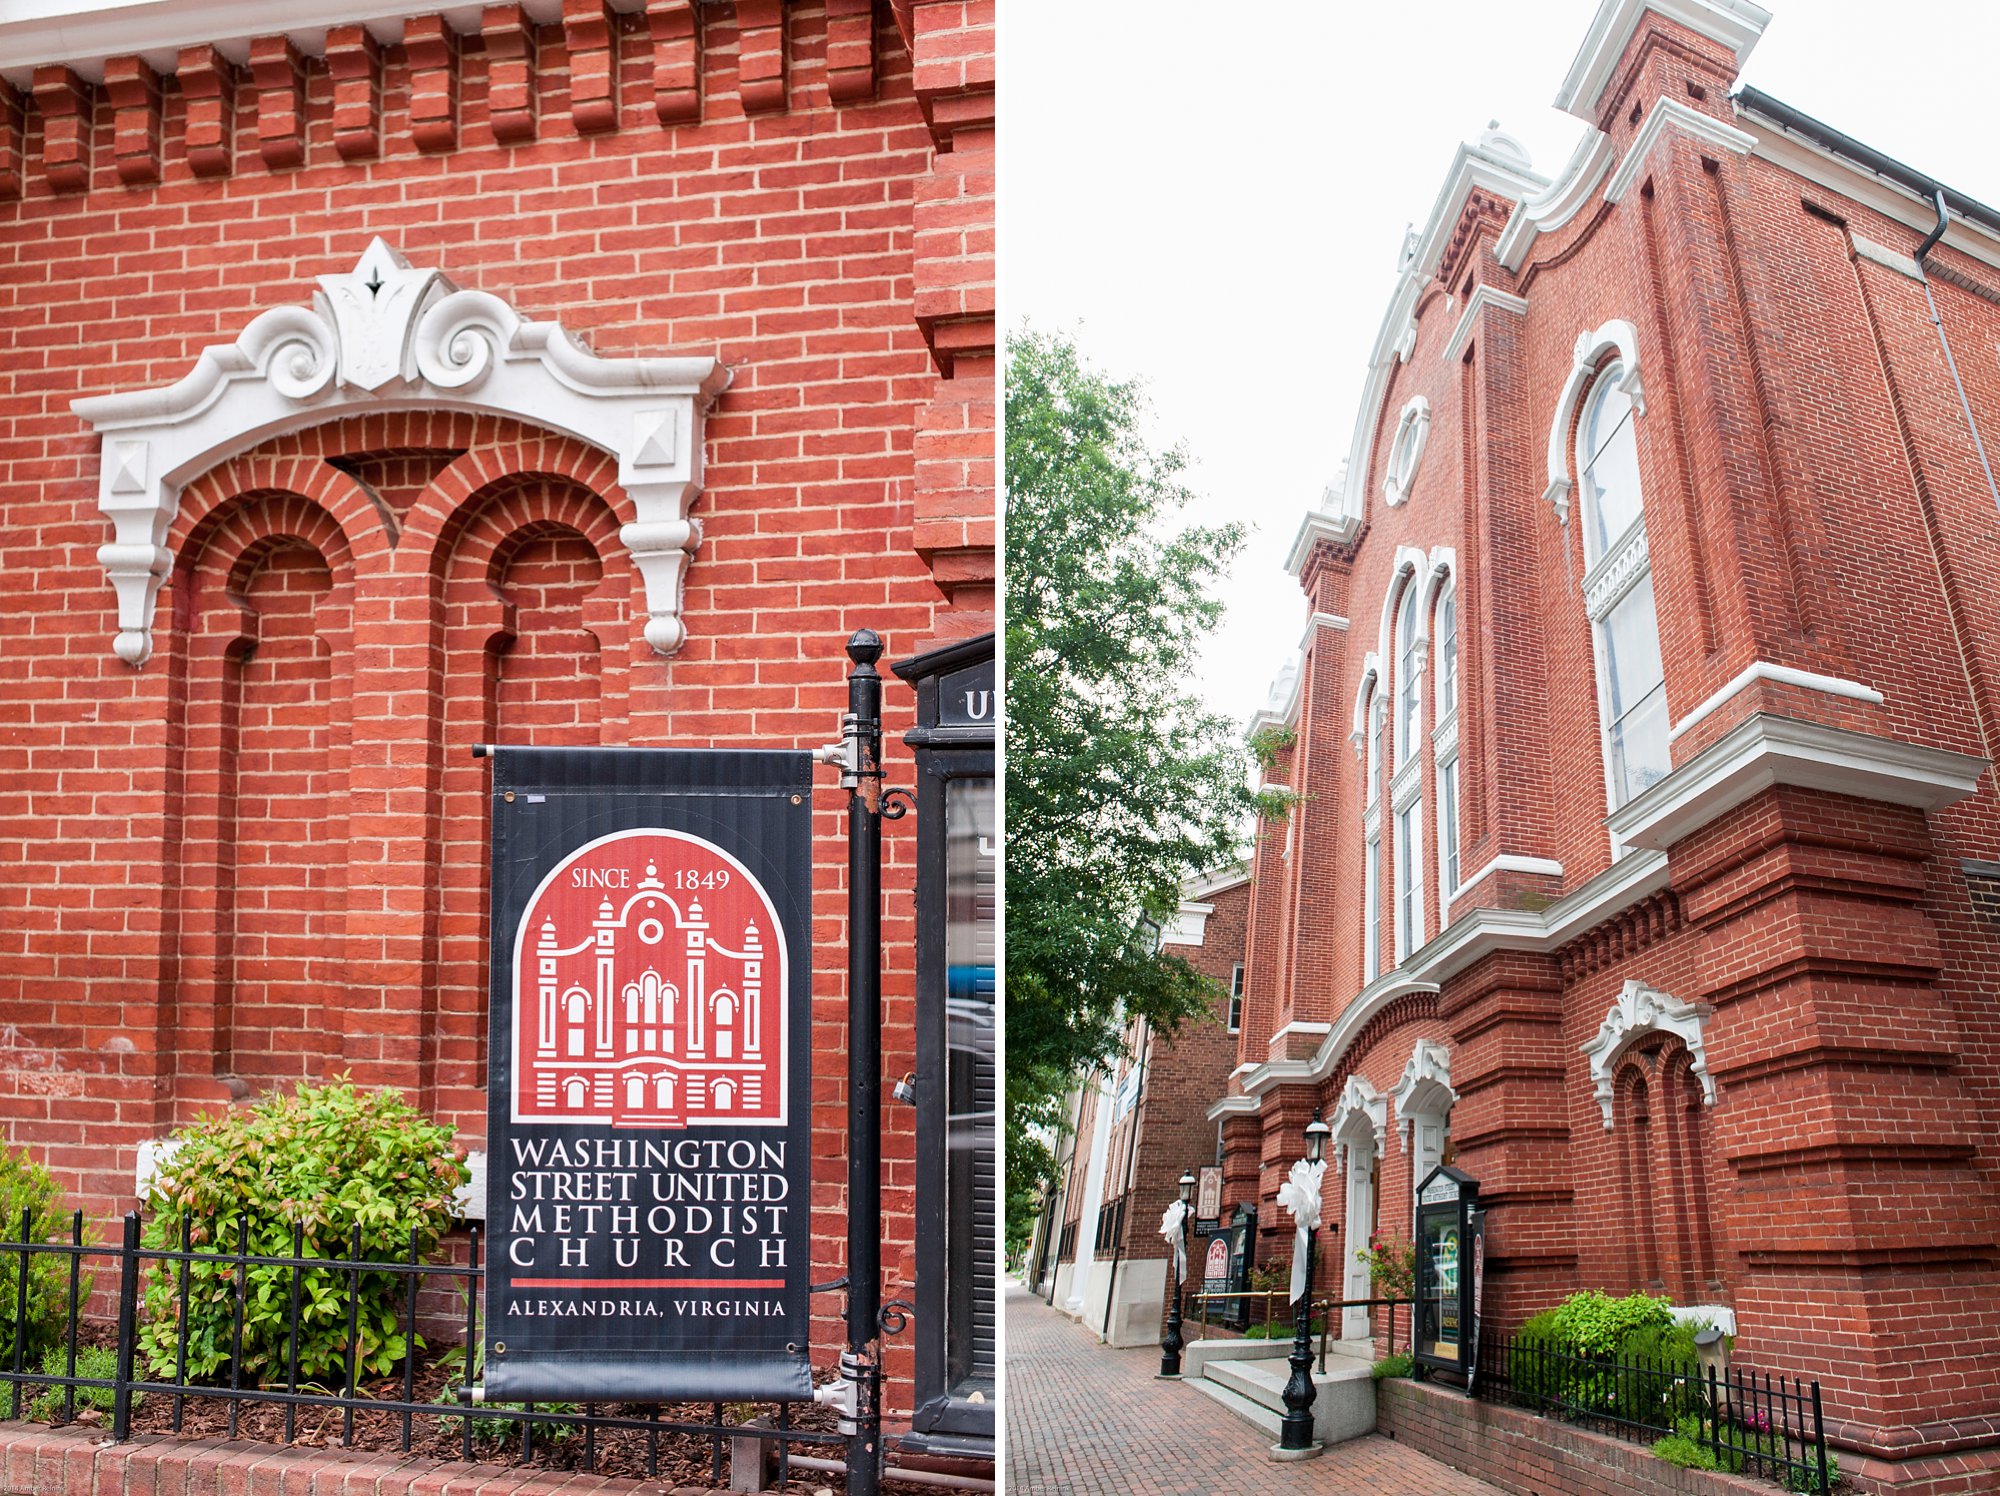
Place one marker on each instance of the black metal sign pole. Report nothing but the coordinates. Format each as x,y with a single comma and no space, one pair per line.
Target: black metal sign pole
860,1366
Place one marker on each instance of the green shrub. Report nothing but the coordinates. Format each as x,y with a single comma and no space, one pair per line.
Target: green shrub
323,1161
1399,1365
1679,1449
1595,1324
91,1361
26,1185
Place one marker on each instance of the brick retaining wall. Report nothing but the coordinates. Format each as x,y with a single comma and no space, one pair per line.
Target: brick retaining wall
1534,1456
81,1462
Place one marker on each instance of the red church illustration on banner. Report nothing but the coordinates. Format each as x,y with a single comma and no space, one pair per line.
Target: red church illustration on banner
649,989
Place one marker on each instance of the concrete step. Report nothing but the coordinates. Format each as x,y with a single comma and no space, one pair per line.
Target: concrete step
1343,1402
1254,1413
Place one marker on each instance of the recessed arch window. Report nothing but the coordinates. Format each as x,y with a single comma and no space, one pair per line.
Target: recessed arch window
1618,592
1371,929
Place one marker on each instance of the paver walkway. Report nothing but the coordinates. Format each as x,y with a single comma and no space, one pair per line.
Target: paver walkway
1086,1420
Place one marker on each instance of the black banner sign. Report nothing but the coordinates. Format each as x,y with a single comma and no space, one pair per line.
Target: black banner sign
648,1168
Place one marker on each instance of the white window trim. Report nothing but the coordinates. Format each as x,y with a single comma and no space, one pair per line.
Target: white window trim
1406,450
1446,893
1411,940
1235,1011
1642,1010
1371,906
389,336
1590,349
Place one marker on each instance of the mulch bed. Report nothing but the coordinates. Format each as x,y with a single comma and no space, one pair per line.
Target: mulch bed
677,1459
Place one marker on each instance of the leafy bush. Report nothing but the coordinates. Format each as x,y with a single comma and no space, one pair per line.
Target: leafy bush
1398,1365
323,1161
91,1361
1679,1449
26,1186
1392,1266
1740,1445
1594,1327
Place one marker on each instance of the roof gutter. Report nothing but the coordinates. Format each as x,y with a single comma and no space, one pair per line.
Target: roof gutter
1785,117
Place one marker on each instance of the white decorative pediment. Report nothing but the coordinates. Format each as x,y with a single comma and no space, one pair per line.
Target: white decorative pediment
1590,348
388,336
1639,1011
1425,1089
1360,1120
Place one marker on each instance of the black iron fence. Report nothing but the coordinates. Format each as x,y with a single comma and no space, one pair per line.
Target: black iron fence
57,1279
1743,1421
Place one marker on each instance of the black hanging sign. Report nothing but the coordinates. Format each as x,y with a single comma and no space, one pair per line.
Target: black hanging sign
649,1108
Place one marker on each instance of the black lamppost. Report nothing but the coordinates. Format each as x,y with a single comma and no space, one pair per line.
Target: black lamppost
1170,1348
1295,1429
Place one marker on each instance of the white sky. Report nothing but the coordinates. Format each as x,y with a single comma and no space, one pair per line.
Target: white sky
1211,198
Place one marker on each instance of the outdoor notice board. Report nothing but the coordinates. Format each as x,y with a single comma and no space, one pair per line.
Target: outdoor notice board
648,1173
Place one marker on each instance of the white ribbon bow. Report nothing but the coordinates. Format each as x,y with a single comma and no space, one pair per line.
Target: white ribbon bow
1300,1195
1170,1228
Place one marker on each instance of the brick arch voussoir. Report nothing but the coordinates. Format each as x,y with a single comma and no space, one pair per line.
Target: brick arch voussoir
444,516
226,495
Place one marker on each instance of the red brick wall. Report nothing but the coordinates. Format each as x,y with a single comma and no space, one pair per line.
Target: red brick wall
262,856
1813,500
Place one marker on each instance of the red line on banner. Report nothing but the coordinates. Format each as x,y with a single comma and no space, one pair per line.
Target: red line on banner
648,1283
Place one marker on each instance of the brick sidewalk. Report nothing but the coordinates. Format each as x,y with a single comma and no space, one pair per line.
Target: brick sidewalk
1088,1420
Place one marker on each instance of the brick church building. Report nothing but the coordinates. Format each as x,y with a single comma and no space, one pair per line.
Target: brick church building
571,372
1647,860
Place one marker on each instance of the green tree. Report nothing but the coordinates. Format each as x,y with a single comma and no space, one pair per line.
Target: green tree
1120,782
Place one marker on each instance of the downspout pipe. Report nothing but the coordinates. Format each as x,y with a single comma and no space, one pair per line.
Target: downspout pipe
1964,403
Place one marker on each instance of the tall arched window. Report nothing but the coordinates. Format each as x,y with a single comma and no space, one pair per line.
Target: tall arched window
1378,733
1408,668
1618,591
1444,632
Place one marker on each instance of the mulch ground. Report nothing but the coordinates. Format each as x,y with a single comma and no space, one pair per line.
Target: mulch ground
669,1458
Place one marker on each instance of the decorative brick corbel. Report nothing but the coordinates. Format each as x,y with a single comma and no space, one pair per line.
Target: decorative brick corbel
850,50
278,73
432,49
208,83
676,60
760,54
12,131
354,60
590,34
134,91
513,59
64,101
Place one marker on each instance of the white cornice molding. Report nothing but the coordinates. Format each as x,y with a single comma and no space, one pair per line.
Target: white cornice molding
1323,523
1784,675
1672,114
1477,934
1507,863
1482,297
1737,24
1894,201
1369,1001
390,337
1303,1028
80,34
1221,880
1235,1106
1764,750
1536,216
1617,572
1642,1010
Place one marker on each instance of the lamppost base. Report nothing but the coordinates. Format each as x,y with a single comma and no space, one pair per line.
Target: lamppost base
1311,1451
